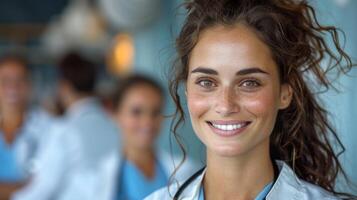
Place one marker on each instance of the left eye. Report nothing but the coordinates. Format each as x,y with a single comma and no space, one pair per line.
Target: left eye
250,84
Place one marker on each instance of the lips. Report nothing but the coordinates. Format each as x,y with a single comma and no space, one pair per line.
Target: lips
228,128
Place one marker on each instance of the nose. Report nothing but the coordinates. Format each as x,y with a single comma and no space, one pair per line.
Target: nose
227,102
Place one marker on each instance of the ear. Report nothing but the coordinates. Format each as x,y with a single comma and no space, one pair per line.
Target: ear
286,95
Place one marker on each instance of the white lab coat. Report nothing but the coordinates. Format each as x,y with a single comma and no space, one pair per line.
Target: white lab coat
287,187
79,158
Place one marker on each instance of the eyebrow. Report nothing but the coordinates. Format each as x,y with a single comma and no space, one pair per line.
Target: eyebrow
251,70
205,70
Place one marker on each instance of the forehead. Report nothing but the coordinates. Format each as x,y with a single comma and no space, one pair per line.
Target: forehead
142,93
12,66
234,47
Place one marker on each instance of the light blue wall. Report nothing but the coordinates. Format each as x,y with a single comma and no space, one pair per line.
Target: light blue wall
155,53
154,56
343,105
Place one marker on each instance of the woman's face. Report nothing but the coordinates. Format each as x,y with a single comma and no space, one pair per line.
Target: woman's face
14,85
233,90
139,116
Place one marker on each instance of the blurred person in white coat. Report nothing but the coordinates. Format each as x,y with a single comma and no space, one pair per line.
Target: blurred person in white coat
21,125
81,155
143,167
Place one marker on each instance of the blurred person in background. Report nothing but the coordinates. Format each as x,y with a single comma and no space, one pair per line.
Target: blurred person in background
80,157
143,168
21,126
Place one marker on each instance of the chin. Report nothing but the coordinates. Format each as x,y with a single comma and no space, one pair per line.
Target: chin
227,151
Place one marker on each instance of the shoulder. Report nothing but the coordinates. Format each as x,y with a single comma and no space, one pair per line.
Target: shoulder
288,186
93,120
311,191
37,121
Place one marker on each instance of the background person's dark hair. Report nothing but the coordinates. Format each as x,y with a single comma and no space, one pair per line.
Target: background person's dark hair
132,81
79,72
303,134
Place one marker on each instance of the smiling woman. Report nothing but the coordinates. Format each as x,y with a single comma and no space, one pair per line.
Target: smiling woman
229,93
244,64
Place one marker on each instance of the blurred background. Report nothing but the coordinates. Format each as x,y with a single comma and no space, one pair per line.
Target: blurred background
137,36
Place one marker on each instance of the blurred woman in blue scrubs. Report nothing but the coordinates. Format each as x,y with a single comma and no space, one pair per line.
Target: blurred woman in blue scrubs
19,126
143,168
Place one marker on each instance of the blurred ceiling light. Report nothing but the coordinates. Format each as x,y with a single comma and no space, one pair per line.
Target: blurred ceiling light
79,27
120,59
130,15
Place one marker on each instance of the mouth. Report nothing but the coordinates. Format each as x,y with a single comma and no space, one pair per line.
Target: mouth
228,128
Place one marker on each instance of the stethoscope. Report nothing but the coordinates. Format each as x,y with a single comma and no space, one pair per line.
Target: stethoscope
199,172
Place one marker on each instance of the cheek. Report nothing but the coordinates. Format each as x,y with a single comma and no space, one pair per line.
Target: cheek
264,107
127,123
198,105
24,89
158,122
260,104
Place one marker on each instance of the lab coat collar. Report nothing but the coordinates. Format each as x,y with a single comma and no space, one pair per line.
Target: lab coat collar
195,191
81,106
286,185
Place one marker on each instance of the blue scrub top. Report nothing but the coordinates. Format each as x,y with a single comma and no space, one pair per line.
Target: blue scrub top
134,185
16,158
260,196
9,166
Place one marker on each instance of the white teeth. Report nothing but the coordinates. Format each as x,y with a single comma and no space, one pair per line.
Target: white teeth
228,127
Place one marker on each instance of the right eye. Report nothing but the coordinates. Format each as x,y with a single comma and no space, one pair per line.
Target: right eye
136,111
205,83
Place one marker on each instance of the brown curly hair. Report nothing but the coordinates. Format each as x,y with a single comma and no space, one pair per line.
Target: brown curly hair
302,133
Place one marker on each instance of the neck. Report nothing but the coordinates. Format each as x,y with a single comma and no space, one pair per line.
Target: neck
144,159
138,156
240,177
11,121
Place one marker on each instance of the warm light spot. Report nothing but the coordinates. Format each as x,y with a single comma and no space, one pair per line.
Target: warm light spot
122,54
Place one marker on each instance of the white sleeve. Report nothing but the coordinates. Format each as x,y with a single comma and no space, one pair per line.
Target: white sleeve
52,161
